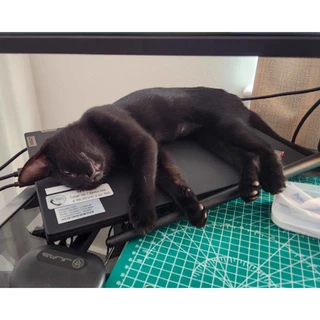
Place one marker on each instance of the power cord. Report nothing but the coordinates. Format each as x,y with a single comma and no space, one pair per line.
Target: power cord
302,121
13,158
304,118
8,176
289,93
11,175
11,185
108,236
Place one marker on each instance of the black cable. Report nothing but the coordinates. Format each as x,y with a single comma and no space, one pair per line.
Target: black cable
11,175
305,117
16,184
108,236
289,93
38,232
13,158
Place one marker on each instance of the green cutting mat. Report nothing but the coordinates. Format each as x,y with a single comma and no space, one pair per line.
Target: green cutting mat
239,247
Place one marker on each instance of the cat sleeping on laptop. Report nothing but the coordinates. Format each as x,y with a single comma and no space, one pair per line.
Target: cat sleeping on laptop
131,131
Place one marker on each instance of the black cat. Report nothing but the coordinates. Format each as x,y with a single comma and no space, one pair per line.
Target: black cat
132,130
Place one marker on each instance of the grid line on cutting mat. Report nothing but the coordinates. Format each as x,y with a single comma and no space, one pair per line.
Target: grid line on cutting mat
239,247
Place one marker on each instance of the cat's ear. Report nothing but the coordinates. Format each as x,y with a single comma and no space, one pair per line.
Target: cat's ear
36,168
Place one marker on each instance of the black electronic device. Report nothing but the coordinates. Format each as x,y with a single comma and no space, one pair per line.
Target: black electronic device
53,266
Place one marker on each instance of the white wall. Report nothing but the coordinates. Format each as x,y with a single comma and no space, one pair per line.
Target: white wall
67,85
18,114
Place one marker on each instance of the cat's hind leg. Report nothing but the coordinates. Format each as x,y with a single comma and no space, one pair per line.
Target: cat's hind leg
246,163
169,180
240,135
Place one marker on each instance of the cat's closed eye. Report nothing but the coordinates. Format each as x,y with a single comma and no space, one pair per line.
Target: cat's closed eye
68,173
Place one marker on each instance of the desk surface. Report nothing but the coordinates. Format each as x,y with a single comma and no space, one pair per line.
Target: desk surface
239,247
16,241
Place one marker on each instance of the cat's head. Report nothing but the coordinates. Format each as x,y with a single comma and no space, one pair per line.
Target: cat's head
75,157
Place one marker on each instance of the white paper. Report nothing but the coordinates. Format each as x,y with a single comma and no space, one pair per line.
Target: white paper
79,211
76,196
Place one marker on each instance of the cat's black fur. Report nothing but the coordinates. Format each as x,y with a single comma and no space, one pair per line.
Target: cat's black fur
132,129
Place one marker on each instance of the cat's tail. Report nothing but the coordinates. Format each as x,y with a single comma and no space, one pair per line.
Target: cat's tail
257,123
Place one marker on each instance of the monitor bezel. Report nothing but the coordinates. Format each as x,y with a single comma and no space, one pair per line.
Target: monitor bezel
190,44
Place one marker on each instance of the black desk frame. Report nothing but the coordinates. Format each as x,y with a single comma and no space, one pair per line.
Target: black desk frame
185,44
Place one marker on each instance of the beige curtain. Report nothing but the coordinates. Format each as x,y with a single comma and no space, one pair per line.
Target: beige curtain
284,113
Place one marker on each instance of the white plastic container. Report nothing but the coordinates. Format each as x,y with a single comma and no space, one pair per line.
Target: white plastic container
297,209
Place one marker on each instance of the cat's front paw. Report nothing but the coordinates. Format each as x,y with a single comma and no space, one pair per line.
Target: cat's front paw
249,189
195,211
272,179
273,182
143,218
199,216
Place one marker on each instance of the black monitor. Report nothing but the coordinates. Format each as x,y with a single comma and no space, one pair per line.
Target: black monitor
187,44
